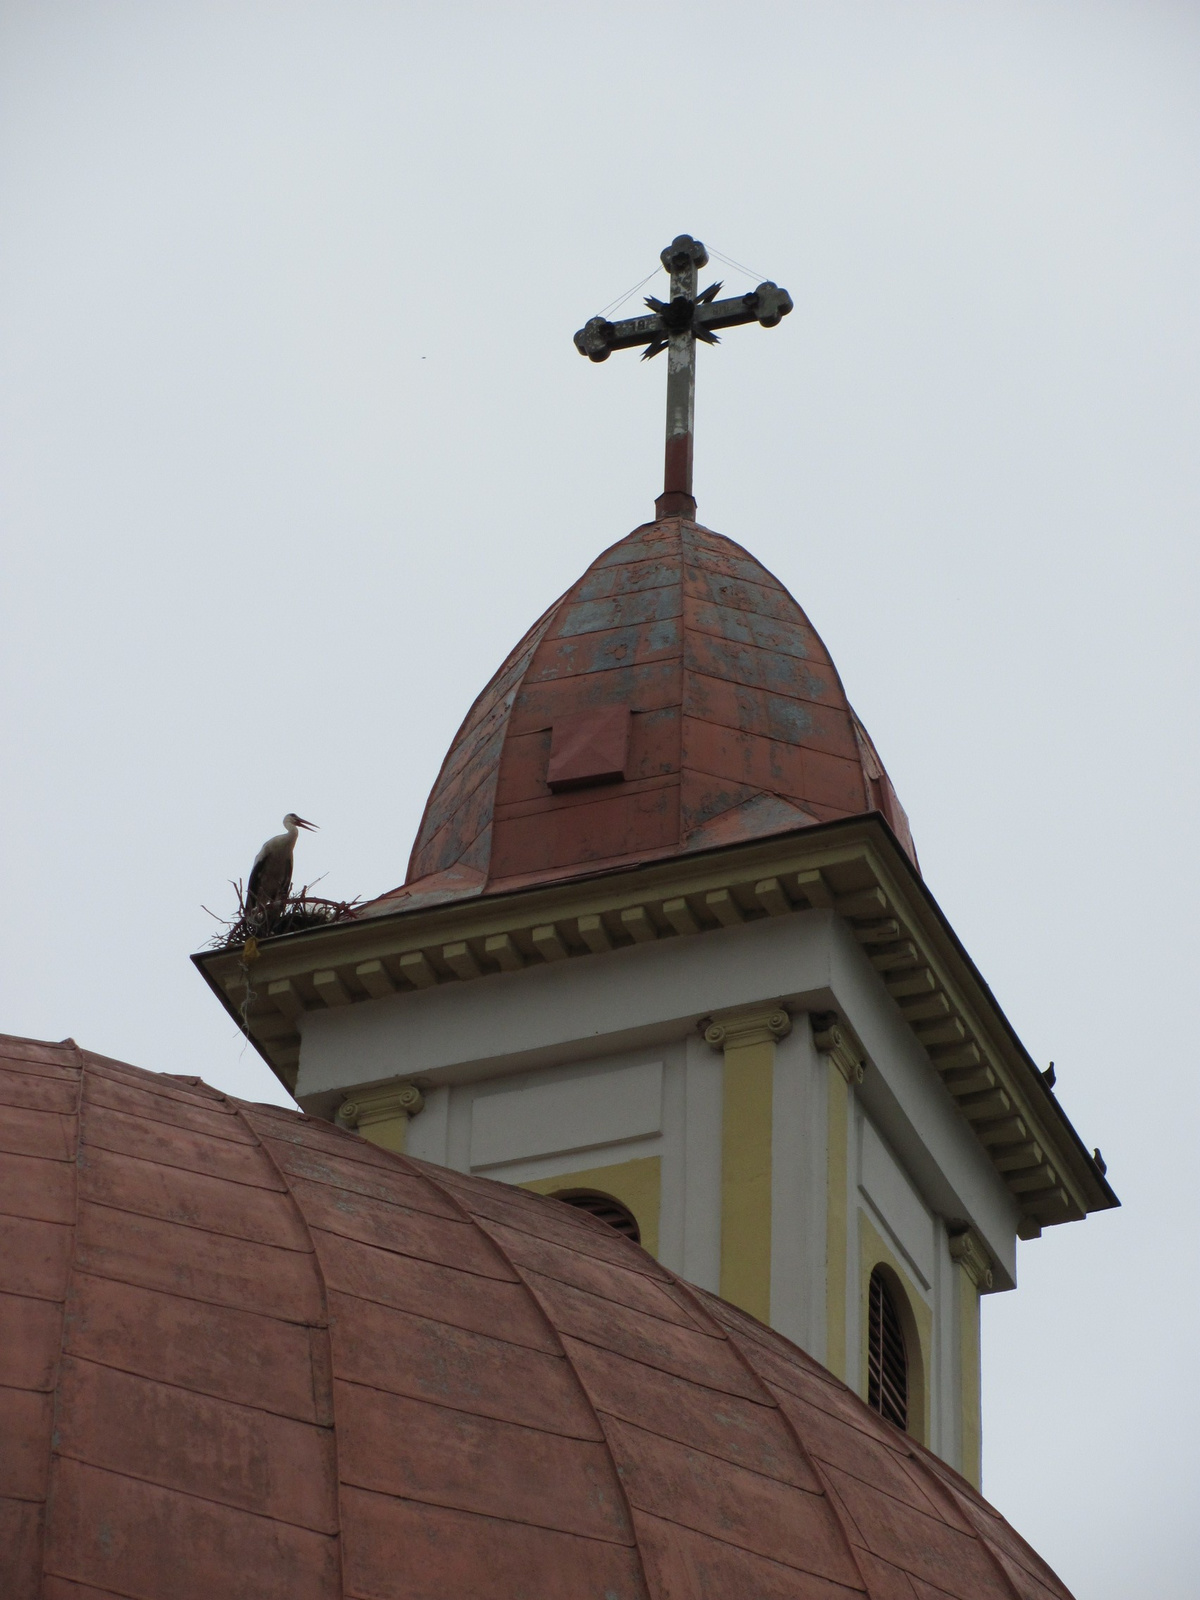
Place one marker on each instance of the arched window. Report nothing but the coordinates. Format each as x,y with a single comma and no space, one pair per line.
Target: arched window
887,1358
604,1207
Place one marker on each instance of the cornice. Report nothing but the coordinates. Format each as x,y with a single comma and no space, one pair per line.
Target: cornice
854,868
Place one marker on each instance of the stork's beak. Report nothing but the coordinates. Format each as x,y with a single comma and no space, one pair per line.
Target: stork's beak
300,823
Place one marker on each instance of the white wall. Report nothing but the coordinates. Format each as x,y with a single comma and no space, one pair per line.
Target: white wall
553,1121
561,1111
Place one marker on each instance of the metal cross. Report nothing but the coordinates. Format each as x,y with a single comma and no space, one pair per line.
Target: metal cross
674,326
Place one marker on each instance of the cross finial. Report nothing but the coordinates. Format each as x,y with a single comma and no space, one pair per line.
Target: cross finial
674,325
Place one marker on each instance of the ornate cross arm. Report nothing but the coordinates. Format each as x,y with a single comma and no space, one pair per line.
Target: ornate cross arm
675,325
767,305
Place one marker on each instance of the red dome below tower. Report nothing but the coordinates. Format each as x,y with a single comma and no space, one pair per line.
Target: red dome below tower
248,1354
675,699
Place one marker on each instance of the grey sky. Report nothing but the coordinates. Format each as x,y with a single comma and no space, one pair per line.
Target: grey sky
296,445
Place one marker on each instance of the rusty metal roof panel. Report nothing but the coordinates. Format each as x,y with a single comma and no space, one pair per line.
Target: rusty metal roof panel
632,577
790,719
422,1385
635,609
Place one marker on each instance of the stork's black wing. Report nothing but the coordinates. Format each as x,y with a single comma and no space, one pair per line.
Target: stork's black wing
270,876
254,882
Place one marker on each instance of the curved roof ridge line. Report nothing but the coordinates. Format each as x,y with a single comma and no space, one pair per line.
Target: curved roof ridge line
241,1110
917,1456
72,1270
466,726
835,1505
557,1336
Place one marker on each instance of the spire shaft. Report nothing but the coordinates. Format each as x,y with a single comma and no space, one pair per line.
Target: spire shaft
677,498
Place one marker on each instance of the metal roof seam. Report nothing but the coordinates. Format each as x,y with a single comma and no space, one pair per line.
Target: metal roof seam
529,640
559,1341
805,1455
56,1419
243,1112
654,1276
985,1544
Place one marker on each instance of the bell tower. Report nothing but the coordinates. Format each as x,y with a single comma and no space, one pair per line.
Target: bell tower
664,950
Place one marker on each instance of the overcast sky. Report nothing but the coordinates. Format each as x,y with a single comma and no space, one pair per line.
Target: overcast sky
296,445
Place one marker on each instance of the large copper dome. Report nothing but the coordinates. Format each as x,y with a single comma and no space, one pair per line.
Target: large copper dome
734,721
247,1354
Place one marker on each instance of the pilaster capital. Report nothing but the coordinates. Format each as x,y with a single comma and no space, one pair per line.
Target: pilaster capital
969,1250
836,1041
733,1029
384,1104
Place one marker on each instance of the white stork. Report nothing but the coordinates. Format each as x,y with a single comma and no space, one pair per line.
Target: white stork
270,878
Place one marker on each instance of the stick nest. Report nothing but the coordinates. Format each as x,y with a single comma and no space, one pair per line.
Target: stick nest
293,915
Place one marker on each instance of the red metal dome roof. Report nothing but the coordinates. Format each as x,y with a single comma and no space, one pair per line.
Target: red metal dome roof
674,699
247,1354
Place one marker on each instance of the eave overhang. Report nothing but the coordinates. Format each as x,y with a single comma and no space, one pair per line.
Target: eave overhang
854,867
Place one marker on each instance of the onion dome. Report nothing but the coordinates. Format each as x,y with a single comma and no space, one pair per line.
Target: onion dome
675,699
247,1353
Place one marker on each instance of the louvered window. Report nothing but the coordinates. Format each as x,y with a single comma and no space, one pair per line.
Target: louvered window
887,1360
606,1209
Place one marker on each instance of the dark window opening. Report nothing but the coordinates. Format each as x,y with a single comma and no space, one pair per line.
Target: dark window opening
605,1209
887,1359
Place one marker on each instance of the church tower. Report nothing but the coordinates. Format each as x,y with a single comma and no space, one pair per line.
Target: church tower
664,950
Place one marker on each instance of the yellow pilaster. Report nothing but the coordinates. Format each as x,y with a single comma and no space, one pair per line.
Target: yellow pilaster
836,1223
747,1040
974,1276
382,1115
